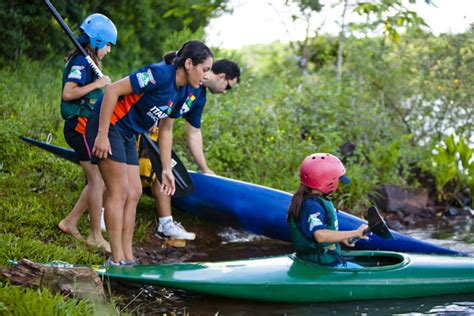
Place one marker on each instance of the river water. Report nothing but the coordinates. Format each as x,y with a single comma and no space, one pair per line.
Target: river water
222,243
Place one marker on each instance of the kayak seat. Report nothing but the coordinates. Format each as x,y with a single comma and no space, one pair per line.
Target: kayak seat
373,260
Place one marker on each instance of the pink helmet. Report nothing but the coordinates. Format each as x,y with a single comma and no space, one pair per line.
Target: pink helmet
322,172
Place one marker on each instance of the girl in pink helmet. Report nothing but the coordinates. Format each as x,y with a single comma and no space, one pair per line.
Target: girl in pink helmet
312,217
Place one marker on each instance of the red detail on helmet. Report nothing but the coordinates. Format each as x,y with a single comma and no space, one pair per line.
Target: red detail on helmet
321,171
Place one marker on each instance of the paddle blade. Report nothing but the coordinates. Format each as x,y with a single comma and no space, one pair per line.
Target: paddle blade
377,225
58,151
184,183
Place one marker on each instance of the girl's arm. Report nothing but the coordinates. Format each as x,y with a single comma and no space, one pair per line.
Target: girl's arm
73,91
102,145
166,143
327,235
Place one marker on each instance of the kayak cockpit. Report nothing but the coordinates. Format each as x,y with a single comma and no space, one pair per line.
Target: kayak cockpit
377,259
369,260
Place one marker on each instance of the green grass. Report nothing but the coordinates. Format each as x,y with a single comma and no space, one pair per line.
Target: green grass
44,303
37,190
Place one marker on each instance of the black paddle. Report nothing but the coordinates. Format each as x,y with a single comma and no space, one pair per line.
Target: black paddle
183,179
376,225
58,151
184,182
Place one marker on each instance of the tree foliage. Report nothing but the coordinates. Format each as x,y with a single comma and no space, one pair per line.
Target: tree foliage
389,113
391,15
396,104
388,16
143,26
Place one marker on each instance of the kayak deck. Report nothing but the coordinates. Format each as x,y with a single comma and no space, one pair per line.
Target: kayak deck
288,279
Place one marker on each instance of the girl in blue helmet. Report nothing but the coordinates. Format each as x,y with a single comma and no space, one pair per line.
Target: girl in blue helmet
312,217
134,105
80,91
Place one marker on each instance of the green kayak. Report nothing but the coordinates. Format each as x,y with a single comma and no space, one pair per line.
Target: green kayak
385,275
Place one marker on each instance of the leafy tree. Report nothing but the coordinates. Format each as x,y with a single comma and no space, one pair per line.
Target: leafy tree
302,10
28,31
391,15
143,26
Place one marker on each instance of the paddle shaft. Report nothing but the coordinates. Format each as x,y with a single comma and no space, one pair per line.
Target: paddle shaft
155,150
71,36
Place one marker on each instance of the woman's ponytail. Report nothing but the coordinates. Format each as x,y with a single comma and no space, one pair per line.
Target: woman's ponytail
197,51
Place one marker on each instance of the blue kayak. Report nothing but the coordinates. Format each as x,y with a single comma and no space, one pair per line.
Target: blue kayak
262,210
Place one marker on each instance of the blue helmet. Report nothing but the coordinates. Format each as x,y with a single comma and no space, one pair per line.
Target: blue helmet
100,30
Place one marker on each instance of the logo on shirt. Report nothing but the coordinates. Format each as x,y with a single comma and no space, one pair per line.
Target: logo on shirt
314,220
156,113
170,107
187,104
76,72
144,78
159,112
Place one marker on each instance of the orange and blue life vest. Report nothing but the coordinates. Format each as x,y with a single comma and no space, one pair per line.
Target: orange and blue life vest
154,97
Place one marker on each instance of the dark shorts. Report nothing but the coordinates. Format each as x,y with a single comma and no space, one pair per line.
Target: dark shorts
77,141
124,149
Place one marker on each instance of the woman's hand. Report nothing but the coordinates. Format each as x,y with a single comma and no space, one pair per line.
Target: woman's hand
102,147
102,82
167,182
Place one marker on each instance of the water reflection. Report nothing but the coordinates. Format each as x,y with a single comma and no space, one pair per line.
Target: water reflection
178,302
433,305
455,233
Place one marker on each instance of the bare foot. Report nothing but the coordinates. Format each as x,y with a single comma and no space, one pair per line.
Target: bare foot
98,242
65,227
